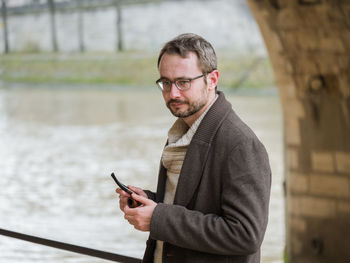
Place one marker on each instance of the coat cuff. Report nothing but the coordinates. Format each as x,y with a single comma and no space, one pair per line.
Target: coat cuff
156,221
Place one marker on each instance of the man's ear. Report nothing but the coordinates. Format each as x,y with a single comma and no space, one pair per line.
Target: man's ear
213,79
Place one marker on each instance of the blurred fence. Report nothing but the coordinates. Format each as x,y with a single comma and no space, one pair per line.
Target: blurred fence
52,6
115,25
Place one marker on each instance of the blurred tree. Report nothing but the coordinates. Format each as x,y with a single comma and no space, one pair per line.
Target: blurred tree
53,25
119,25
4,21
80,8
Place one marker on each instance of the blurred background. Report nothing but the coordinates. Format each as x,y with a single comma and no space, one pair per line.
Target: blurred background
78,101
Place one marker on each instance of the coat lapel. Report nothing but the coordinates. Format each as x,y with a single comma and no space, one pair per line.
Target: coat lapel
197,152
191,172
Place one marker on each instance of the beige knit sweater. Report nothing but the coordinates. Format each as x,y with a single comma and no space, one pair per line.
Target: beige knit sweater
179,137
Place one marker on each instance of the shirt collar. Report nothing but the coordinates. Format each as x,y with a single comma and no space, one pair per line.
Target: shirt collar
180,134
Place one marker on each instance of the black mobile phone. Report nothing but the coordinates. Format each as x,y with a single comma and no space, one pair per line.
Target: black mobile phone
122,186
131,202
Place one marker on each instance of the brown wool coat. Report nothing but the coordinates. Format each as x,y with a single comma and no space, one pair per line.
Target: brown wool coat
220,210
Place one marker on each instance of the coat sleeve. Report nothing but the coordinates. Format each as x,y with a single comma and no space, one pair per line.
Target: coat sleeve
240,227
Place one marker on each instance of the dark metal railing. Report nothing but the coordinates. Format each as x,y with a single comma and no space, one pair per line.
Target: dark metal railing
70,247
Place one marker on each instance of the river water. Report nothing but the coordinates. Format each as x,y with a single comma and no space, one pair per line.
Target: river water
58,146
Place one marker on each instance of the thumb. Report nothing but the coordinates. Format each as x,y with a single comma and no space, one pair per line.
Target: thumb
141,199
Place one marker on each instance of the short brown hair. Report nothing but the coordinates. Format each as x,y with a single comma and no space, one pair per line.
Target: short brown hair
189,42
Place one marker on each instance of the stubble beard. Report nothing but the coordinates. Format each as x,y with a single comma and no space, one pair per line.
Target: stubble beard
193,107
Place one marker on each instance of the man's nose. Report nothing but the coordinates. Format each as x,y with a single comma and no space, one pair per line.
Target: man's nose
174,91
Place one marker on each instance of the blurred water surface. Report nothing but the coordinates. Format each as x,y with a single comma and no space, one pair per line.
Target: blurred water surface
59,145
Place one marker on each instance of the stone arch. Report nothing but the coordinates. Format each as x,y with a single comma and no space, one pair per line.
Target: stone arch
308,42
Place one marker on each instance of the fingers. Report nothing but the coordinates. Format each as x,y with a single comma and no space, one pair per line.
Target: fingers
123,198
141,199
123,203
129,215
122,193
139,217
137,190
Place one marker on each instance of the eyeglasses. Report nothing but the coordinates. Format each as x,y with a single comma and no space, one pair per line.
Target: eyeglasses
182,84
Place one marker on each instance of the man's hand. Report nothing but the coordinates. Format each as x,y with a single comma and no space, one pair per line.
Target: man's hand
140,217
123,196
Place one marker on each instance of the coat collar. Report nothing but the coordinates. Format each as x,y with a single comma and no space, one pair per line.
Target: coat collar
213,119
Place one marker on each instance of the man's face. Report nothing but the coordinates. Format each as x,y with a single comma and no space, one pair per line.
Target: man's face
187,104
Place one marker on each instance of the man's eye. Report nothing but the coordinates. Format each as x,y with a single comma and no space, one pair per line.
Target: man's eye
182,82
166,82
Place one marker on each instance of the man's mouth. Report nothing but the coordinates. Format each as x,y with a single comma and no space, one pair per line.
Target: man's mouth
176,103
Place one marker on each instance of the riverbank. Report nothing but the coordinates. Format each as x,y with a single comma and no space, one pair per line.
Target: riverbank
237,72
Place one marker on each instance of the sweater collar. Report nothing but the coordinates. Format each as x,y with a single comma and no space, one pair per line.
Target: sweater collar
180,134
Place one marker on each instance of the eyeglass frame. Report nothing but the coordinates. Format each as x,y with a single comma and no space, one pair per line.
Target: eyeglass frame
179,79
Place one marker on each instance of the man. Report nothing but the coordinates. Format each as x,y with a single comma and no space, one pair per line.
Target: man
212,197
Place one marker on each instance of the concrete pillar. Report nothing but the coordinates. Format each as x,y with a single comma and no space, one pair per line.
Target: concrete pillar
309,46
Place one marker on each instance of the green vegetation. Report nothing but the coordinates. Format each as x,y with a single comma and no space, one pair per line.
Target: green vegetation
126,68
285,259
